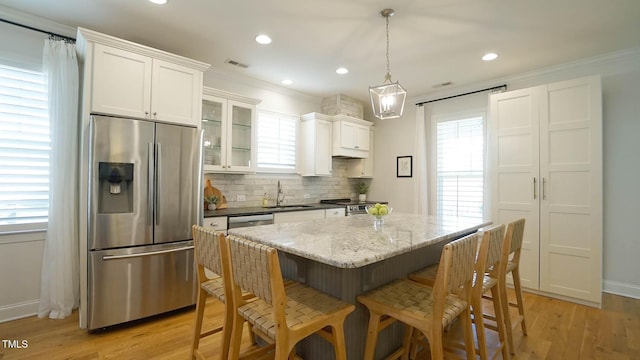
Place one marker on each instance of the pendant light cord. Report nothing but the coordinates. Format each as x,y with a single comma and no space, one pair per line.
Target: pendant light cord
388,76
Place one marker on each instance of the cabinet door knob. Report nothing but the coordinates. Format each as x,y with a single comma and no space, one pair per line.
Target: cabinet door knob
146,113
155,113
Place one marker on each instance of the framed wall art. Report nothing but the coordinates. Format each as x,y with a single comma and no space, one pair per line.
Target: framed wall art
404,166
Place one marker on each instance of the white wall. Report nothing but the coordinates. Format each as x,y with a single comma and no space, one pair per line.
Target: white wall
620,74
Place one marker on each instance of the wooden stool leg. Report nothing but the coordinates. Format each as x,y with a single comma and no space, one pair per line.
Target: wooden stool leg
496,298
478,318
227,332
372,336
518,290
468,334
436,344
200,303
236,336
504,302
406,342
339,344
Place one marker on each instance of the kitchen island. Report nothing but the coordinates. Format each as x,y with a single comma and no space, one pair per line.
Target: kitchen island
346,257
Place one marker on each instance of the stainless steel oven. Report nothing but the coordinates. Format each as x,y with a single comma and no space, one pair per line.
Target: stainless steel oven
352,207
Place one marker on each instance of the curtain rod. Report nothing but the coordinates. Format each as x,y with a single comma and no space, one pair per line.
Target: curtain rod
503,86
65,38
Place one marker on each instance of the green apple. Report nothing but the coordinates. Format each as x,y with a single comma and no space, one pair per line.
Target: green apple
373,211
383,210
378,205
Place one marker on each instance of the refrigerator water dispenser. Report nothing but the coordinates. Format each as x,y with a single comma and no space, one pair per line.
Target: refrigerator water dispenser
115,190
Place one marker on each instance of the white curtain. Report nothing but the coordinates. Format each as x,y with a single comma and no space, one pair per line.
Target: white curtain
421,205
60,283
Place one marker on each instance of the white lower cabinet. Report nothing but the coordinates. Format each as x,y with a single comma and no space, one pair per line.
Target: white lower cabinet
332,213
546,156
294,216
216,223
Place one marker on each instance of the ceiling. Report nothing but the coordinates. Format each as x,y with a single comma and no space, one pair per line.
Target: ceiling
431,41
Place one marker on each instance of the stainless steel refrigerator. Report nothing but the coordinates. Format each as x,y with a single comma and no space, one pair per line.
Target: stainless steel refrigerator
144,196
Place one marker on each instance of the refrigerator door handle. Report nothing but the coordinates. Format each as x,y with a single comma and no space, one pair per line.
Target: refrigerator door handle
158,184
151,253
150,187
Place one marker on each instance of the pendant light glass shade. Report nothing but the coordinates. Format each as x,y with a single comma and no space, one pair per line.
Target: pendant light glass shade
387,100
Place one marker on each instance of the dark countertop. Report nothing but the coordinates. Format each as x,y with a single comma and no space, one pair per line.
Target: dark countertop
257,210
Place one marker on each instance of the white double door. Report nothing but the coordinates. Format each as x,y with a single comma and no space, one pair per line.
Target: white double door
546,156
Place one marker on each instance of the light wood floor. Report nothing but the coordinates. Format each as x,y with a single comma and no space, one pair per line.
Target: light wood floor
557,330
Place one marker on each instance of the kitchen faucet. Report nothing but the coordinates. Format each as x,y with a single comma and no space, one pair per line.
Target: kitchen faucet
279,192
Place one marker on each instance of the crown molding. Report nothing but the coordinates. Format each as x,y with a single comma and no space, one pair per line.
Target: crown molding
229,95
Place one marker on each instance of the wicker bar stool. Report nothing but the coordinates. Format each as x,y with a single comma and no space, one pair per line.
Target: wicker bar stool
208,246
488,269
515,233
285,317
426,309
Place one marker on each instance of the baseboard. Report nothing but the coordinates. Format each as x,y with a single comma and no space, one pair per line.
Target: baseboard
19,310
622,289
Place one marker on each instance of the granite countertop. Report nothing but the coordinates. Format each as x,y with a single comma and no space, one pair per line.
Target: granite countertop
352,241
257,210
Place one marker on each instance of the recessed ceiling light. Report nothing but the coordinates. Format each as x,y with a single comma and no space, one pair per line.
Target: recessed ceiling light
263,39
490,56
287,82
159,2
342,70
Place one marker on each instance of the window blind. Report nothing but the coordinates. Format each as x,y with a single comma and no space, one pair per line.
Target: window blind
459,168
276,141
24,147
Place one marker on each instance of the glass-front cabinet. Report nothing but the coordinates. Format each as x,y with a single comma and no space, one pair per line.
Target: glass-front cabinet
229,125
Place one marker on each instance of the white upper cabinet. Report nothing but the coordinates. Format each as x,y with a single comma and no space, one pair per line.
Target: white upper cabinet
350,137
176,92
315,145
362,168
121,82
126,79
229,124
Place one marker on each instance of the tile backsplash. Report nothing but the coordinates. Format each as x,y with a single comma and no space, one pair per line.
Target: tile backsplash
252,187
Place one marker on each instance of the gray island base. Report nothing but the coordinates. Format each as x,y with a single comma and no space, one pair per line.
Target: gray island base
346,257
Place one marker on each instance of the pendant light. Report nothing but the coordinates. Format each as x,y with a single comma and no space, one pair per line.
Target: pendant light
387,99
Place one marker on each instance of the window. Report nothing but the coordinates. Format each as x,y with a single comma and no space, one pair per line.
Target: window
24,147
460,166
276,142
